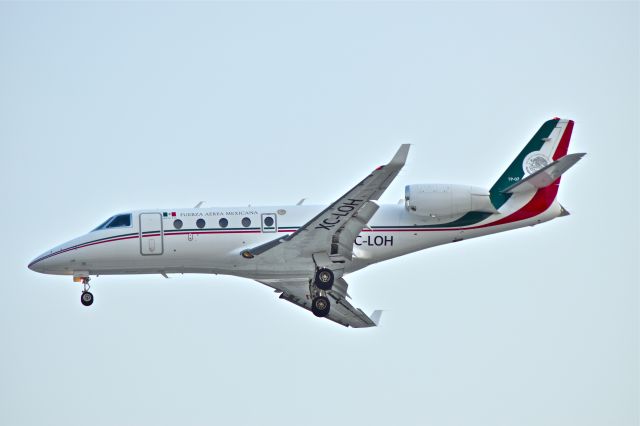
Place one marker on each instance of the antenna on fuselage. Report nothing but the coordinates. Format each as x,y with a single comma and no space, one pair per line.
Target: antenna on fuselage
300,202
199,204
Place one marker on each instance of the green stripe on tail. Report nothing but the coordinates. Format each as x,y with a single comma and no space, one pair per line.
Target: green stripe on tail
514,172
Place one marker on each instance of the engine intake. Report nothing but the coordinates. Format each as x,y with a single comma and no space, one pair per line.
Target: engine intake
446,201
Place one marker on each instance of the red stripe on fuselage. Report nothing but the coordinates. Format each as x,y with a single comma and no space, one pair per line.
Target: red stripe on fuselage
213,232
79,246
540,202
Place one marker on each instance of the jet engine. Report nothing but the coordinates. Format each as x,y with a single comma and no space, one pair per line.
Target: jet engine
444,201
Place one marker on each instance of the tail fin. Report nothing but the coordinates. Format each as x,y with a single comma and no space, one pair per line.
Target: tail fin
550,143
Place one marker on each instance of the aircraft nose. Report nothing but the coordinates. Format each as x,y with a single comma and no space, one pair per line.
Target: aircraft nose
57,261
38,264
48,262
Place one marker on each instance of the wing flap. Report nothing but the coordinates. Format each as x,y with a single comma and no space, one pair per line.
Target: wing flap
342,240
345,313
341,312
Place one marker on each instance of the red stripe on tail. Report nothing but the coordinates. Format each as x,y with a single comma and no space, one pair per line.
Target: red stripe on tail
563,145
540,202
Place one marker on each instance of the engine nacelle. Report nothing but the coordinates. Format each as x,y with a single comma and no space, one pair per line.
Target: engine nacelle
446,201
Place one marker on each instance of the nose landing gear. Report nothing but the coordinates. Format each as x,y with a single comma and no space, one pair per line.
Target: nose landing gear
87,297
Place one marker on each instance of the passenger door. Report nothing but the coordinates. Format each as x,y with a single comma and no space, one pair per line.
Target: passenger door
151,234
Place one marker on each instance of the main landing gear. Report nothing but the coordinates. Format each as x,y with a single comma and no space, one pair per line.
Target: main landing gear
322,282
324,278
86,298
320,306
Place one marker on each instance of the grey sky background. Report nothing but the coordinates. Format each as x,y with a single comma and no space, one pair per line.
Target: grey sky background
107,107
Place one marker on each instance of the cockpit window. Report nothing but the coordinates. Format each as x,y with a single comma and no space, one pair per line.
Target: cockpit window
119,221
103,224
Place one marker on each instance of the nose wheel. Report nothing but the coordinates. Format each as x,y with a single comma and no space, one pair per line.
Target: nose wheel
87,297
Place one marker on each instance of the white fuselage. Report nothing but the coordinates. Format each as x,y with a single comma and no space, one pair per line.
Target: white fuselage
303,252
153,244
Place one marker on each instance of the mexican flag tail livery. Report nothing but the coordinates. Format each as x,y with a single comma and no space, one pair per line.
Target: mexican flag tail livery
538,167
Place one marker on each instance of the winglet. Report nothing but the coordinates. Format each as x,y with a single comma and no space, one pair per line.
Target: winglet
376,316
401,156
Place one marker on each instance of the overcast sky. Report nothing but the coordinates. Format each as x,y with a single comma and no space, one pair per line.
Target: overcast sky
107,107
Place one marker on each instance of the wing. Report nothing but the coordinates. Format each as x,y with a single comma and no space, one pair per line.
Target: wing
334,229
297,291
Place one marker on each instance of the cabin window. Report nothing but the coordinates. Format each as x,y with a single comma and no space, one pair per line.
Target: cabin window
246,222
223,223
268,221
177,224
200,223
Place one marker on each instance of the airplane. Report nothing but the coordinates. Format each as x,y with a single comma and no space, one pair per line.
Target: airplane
304,252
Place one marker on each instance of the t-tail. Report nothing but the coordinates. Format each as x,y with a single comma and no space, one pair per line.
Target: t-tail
538,167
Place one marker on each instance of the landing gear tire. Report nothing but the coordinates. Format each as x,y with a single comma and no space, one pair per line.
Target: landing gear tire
320,306
86,298
324,279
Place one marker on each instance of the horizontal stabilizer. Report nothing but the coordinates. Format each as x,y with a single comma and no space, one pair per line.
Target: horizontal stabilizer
545,176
